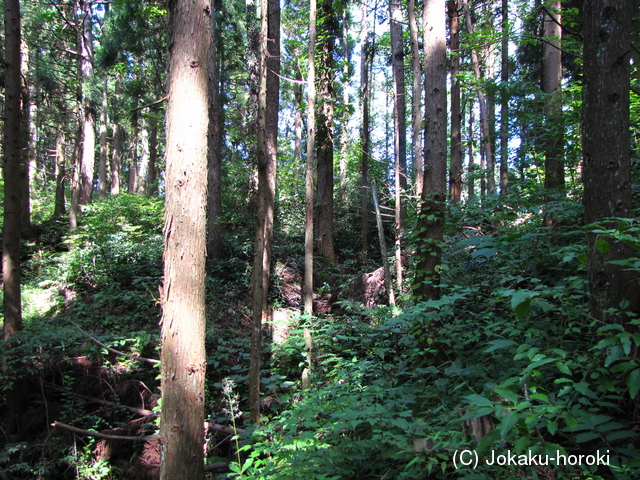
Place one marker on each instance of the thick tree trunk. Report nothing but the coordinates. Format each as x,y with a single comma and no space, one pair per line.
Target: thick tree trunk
132,182
11,273
552,88
325,129
183,293
142,186
455,171
88,114
431,214
268,105
152,188
311,154
606,156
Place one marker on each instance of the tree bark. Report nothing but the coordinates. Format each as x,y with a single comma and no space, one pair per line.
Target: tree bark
471,176
455,171
606,155
310,173
183,292
60,174
416,111
268,103
85,47
11,273
552,88
400,129
365,130
432,202
328,28
344,133
104,151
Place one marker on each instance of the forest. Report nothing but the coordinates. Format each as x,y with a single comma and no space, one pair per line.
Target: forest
320,239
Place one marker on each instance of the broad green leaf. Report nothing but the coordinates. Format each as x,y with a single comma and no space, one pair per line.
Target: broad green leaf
633,383
498,344
475,399
507,423
586,437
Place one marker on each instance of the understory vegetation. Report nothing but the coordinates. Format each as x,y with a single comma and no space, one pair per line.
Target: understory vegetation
508,360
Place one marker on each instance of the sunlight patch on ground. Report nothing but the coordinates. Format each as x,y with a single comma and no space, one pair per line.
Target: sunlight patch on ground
39,300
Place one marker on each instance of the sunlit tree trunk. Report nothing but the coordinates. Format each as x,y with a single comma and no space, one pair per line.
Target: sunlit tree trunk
116,147
88,117
344,133
310,173
400,129
183,292
606,154
416,110
142,185
432,202
268,105
28,163
152,188
102,169
487,144
455,171
60,173
471,180
504,100
132,182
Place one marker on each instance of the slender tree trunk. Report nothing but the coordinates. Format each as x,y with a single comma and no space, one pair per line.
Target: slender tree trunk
400,129
183,293
365,131
455,172
268,105
552,88
214,178
344,133
487,144
298,98
116,156
142,185
383,246
416,111
60,174
104,151
471,181
28,165
606,155
431,214
310,173
133,155
504,100
153,155
11,273
328,27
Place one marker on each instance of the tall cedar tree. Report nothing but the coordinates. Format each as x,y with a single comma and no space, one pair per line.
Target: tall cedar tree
455,172
416,90
11,273
431,215
605,143
328,28
311,155
552,88
183,296
365,129
400,128
268,103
